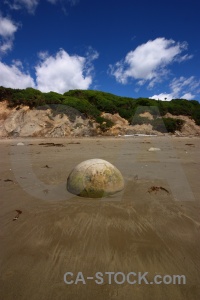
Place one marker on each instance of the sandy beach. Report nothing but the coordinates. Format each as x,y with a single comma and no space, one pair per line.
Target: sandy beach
152,226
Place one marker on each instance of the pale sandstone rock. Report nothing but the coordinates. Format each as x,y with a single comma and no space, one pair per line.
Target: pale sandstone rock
95,178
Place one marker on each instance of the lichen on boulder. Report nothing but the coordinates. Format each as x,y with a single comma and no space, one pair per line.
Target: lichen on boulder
95,178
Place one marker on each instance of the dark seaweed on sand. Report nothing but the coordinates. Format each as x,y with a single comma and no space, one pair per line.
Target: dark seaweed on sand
18,213
157,188
51,145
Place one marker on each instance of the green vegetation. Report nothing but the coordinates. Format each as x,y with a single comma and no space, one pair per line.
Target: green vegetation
90,104
140,120
104,123
160,124
196,115
167,124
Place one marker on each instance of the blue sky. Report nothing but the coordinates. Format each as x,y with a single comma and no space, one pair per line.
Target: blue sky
125,47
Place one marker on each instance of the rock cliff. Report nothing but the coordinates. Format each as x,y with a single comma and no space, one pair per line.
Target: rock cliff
22,121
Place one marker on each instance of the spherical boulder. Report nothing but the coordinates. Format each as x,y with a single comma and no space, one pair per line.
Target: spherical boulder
95,178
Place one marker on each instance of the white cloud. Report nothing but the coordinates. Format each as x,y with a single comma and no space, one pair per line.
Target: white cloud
168,97
58,73
7,27
149,61
182,84
91,55
63,72
72,2
43,55
182,88
7,31
184,57
188,96
163,97
12,76
5,46
30,5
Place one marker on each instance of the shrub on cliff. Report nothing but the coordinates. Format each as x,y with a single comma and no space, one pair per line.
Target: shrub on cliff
196,115
138,120
104,123
167,124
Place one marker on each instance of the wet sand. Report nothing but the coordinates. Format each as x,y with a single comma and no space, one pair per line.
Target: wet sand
142,229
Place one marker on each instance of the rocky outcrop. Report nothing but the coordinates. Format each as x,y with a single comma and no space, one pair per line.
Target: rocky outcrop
188,128
26,122
122,127
115,118
45,122
147,115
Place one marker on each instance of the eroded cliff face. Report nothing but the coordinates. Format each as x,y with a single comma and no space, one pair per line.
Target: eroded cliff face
122,127
189,127
24,122
44,122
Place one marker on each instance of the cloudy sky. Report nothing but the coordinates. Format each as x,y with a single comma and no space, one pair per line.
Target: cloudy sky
128,48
